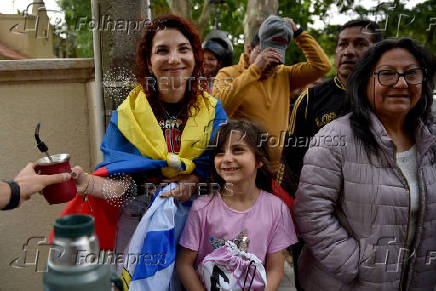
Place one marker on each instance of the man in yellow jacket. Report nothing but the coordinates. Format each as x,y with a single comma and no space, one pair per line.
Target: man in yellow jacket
258,88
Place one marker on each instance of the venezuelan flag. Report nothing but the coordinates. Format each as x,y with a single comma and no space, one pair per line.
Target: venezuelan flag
134,141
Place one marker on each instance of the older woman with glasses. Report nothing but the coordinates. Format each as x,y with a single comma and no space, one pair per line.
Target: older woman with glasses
366,208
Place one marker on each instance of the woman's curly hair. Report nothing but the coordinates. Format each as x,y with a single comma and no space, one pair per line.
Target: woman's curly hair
146,78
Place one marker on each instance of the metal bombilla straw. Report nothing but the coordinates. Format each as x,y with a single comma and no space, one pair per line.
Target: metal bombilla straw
40,144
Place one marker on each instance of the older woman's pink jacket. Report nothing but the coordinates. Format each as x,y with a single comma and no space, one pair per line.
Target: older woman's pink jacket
352,211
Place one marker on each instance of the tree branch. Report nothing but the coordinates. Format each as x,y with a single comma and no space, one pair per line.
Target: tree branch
181,8
203,20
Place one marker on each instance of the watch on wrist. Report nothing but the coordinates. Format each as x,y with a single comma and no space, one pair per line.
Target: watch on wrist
14,201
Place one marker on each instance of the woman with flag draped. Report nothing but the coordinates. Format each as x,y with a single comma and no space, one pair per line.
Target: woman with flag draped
159,134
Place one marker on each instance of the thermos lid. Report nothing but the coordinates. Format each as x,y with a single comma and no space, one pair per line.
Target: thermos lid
75,225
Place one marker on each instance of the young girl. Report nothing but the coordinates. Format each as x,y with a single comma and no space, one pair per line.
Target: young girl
243,204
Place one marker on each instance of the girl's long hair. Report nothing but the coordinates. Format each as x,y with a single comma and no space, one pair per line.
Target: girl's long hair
252,135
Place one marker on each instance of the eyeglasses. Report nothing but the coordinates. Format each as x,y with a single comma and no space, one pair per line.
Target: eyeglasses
391,77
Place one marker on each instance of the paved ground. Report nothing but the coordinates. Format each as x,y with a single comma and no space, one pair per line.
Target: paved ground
288,279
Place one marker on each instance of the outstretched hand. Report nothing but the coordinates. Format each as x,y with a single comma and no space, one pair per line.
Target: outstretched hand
30,182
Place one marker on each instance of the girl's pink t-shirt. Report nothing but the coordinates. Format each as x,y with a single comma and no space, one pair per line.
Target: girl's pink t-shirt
268,224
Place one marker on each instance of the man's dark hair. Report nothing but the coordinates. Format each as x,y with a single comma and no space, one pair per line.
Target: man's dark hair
255,41
364,23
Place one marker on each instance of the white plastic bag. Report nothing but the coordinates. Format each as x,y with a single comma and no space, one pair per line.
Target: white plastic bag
228,268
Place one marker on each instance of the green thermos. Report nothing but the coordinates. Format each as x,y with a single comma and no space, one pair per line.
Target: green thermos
71,263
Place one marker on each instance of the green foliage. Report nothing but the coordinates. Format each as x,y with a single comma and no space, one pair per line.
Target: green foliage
398,21
159,7
302,12
78,43
72,42
424,16
327,40
230,19
393,18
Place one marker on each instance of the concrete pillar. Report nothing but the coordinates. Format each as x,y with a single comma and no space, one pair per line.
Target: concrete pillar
120,29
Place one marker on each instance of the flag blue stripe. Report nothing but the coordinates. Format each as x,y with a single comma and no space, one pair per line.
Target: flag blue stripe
159,252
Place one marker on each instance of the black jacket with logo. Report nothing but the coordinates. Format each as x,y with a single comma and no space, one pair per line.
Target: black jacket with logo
314,108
